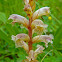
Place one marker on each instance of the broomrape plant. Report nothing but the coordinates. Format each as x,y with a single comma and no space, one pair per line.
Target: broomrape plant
34,25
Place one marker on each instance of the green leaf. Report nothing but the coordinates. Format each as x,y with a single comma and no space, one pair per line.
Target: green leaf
58,39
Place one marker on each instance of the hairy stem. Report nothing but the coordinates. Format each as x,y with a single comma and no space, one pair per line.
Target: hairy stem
30,35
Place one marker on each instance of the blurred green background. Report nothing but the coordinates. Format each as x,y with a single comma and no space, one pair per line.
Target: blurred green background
8,52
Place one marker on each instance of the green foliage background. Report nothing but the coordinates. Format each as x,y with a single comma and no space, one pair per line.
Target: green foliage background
8,52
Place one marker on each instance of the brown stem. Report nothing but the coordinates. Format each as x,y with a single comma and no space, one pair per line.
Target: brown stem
30,34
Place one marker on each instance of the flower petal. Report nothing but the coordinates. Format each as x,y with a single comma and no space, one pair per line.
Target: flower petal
21,43
40,12
19,19
39,49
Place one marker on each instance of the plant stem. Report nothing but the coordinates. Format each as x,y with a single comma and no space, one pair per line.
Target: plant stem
30,34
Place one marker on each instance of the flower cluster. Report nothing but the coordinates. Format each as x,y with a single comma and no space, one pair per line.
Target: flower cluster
34,25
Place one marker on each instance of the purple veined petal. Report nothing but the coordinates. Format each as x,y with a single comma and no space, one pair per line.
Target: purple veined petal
20,19
22,36
40,12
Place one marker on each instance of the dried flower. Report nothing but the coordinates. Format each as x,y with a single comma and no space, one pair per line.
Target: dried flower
41,12
19,19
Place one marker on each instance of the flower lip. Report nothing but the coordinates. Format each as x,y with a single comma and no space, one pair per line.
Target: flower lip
22,36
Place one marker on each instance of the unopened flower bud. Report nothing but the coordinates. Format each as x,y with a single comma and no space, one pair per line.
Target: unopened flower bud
28,10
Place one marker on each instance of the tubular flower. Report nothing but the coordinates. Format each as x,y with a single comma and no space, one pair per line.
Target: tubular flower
38,26
38,23
43,38
41,12
19,19
19,40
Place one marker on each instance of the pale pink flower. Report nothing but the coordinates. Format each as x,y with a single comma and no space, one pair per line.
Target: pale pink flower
43,38
22,36
20,19
38,26
20,41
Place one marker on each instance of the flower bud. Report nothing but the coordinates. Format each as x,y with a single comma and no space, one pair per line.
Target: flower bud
41,12
28,10
19,19
32,4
